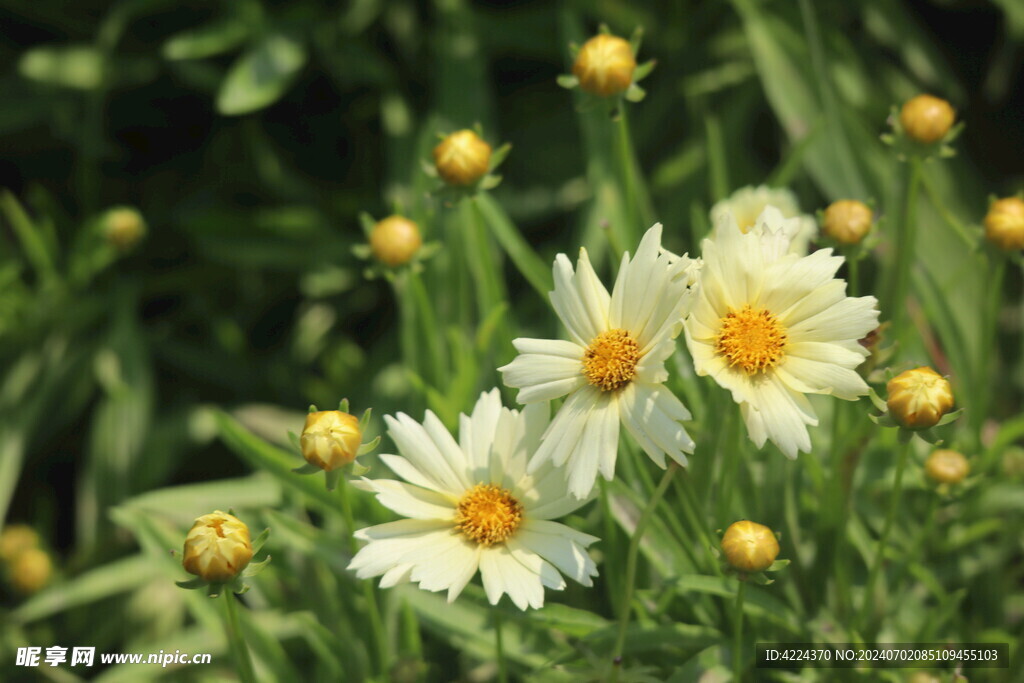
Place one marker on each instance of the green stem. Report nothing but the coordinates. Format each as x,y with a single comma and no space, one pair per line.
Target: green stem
988,349
499,649
947,217
631,562
697,522
876,564
854,269
428,320
611,570
737,656
236,641
906,241
636,207
487,272
373,611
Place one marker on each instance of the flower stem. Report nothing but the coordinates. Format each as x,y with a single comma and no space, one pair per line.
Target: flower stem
737,656
905,244
876,564
236,641
499,648
373,611
636,201
631,561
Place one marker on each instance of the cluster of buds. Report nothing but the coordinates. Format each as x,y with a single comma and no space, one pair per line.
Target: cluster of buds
924,126
605,66
918,400
27,566
331,440
219,552
749,548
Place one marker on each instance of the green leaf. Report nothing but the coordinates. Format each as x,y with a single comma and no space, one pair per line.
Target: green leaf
96,584
207,41
536,272
756,603
261,76
69,66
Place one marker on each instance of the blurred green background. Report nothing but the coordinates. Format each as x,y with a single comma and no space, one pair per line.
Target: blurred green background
250,135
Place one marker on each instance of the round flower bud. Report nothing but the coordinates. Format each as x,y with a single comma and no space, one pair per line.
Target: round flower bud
123,227
926,118
847,221
395,240
1004,223
217,547
919,398
462,158
330,439
749,546
604,65
16,539
946,467
30,570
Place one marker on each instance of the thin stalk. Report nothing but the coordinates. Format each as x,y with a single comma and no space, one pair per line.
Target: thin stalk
499,649
691,510
737,657
611,570
373,611
637,207
631,562
906,241
947,217
986,356
854,271
428,320
876,563
486,271
236,640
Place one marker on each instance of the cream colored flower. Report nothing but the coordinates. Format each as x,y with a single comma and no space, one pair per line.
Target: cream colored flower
746,204
473,506
613,368
771,326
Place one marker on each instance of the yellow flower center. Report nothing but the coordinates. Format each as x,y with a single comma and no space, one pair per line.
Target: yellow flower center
752,338
488,514
610,360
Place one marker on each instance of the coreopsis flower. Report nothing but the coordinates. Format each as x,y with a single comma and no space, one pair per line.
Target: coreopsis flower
749,547
1004,223
926,118
847,221
330,439
919,398
945,466
217,547
462,158
746,204
772,326
604,65
612,368
395,240
472,506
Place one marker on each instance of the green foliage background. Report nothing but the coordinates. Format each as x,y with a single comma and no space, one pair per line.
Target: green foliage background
251,135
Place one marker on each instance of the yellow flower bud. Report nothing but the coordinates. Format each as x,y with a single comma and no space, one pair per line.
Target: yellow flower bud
217,547
462,158
395,240
1004,223
847,221
330,439
604,65
123,227
30,570
946,467
919,398
926,118
749,546
16,539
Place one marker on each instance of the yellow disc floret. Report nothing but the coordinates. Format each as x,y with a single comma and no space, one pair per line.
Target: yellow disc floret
488,514
752,339
610,360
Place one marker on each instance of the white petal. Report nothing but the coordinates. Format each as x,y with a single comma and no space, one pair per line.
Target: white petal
406,470
848,319
542,376
419,448
476,431
404,542
569,557
535,564
781,415
549,347
502,573
579,299
813,377
409,501
791,279
396,575
651,414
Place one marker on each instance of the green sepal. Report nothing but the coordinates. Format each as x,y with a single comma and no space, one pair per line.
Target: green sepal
367,222
307,468
489,182
949,417
313,408
367,447
428,168
884,420
255,568
213,590
880,404
634,93
760,579
364,420
191,584
358,470
332,479
636,40
362,251
294,439
499,155
778,565
343,405
644,70
240,588
568,81
257,545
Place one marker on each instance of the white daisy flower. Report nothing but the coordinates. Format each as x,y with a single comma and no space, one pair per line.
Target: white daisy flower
472,505
613,367
771,326
747,203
